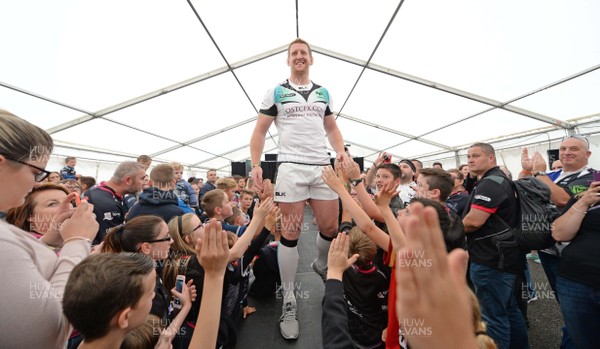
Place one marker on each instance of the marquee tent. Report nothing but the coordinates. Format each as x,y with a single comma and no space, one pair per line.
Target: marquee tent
183,80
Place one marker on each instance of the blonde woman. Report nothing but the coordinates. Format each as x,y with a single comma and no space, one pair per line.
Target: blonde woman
32,315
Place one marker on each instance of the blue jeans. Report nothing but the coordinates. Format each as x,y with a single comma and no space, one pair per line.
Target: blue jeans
580,306
531,293
495,292
551,264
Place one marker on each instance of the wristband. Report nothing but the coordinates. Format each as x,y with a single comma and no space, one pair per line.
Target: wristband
580,211
255,165
73,238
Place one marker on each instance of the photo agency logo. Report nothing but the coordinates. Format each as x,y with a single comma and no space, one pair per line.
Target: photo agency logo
163,195
299,293
42,223
415,327
39,153
43,290
160,327
413,259
533,291
536,224
294,222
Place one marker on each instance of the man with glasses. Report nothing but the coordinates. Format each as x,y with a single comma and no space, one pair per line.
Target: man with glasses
574,178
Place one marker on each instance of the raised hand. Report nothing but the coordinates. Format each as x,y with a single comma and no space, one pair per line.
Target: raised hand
526,161
82,223
271,220
351,169
192,289
337,258
386,194
267,190
256,174
263,209
64,212
380,158
185,297
431,288
338,167
212,248
342,157
538,162
330,178
591,196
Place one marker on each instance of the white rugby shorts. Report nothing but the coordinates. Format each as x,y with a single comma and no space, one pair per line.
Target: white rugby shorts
298,182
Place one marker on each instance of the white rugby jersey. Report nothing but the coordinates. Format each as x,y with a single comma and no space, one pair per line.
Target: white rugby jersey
299,113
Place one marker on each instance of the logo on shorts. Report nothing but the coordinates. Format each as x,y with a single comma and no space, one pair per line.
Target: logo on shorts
277,193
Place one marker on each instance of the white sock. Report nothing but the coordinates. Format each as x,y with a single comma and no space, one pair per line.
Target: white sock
322,251
287,258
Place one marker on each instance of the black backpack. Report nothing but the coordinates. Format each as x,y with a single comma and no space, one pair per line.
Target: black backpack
536,214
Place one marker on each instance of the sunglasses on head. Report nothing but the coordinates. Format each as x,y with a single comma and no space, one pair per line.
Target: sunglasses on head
580,137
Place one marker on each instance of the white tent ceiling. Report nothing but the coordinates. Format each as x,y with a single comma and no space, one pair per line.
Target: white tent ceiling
183,81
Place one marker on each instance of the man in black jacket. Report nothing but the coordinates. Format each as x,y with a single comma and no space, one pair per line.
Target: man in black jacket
493,269
160,199
211,178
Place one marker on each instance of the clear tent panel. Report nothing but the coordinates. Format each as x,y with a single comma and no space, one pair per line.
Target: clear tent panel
184,80
406,106
109,136
222,143
104,53
42,113
496,122
352,27
414,149
571,100
187,113
499,50
246,28
185,155
375,138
